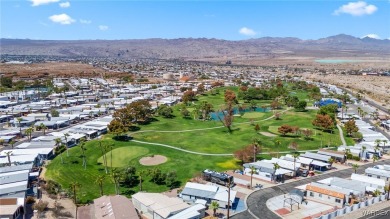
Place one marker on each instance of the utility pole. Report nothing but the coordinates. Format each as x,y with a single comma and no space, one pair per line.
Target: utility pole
228,208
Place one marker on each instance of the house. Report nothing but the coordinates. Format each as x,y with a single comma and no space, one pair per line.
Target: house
371,183
326,194
320,161
378,173
303,161
287,165
156,205
113,207
336,155
195,191
264,170
196,211
11,208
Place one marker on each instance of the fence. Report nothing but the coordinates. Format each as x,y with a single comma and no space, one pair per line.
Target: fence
348,209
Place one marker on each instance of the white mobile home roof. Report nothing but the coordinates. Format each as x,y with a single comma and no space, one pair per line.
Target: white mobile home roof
13,187
302,160
369,180
285,164
315,156
377,172
12,177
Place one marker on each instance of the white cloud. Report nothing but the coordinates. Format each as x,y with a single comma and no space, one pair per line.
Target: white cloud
62,19
103,27
85,21
42,2
358,8
64,4
247,31
372,35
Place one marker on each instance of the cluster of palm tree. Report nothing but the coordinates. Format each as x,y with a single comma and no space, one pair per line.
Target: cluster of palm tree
361,112
29,132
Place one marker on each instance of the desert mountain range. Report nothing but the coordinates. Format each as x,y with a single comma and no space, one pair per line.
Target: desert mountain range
201,48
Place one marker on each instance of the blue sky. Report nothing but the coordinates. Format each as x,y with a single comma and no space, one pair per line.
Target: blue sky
230,20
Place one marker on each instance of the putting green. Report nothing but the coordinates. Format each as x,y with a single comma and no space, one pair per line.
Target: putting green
123,155
253,115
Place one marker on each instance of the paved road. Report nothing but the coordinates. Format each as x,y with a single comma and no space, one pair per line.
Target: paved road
256,201
384,109
381,214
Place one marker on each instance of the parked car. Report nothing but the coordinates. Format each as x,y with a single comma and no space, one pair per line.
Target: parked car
304,173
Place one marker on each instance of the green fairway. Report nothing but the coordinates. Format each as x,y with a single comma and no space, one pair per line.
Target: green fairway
208,136
253,115
123,156
186,165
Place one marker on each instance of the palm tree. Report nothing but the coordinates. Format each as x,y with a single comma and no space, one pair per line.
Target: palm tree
58,142
377,142
66,135
100,180
384,142
214,206
375,158
295,156
43,127
330,161
74,186
116,175
252,171
8,154
82,147
355,167
141,173
12,142
376,193
276,167
104,149
19,119
278,143
29,132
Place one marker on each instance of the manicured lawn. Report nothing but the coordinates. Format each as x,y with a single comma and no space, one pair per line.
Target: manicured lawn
199,136
218,140
186,165
123,156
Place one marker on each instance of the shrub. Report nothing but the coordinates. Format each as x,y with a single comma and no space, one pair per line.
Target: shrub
30,200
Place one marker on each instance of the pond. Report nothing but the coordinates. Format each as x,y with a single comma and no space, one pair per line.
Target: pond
236,111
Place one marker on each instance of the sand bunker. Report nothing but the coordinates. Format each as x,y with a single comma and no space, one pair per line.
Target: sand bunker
152,161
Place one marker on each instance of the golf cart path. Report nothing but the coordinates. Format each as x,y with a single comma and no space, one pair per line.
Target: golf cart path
341,135
200,153
217,127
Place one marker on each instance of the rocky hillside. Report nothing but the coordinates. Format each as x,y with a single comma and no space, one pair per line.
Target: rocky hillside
201,48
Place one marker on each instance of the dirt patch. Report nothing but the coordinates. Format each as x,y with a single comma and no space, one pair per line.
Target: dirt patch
268,134
152,161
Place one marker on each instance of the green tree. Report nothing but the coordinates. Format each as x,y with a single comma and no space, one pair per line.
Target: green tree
54,113
19,120
300,106
201,88
6,82
257,127
117,127
171,179
43,128
350,127
165,111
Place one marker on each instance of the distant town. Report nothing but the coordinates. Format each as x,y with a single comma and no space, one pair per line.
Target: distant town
175,139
